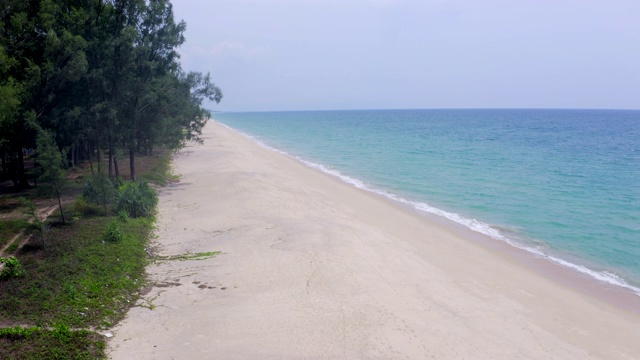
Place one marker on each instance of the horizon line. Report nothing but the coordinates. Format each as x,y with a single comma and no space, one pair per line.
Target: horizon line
434,108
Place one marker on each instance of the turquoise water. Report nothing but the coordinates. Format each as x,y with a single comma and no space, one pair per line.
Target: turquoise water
563,184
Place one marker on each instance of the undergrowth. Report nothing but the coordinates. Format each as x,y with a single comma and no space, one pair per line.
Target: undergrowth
82,275
78,279
57,343
10,228
160,170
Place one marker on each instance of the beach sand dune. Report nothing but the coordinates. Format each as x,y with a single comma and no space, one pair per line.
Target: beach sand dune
311,267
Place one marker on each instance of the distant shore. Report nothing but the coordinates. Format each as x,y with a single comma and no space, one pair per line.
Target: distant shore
312,267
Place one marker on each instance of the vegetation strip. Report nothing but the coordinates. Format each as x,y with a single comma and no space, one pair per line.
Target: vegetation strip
187,256
59,342
81,276
84,85
92,93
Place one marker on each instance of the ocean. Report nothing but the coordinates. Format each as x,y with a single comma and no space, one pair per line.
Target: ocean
561,184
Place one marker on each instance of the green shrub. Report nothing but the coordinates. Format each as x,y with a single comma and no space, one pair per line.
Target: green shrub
123,216
12,268
117,182
136,199
113,233
62,333
99,189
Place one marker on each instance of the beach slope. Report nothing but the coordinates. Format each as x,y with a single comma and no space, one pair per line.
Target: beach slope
311,267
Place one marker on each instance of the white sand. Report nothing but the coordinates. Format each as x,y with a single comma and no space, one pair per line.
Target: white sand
314,268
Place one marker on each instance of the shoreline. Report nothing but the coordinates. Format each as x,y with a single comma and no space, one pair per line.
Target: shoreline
312,267
615,295
624,295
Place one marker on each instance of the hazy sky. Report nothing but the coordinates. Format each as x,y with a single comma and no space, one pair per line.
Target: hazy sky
388,54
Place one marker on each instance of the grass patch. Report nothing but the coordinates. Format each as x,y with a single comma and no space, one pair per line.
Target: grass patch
81,208
57,343
10,203
10,228
157,169
14,246
84,275
78,279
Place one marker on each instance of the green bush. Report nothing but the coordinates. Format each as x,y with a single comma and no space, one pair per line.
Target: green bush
99,189
113,233
123,216
12,268
62,333
136,199
117,182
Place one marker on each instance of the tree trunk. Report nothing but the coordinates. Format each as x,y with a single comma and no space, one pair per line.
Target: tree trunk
4,165
115,165
22,178
13,173
60,205
111,151
35,170
132,162
72,156
76,154
90,153
99,156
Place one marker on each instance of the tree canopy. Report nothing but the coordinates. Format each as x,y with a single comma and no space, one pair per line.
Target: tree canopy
102,77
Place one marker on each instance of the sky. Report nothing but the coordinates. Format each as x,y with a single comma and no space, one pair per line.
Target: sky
270,55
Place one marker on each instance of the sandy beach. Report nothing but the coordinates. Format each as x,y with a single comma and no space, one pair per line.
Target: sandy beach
314,268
